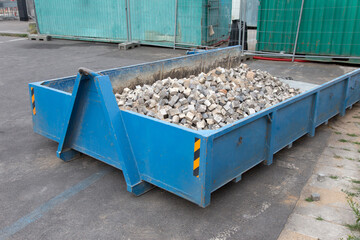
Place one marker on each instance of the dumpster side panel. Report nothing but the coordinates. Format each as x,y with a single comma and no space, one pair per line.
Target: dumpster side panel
165,155
331,100
247,142
62,84
292,122
354,90
147,73
237,151
175,68
50,110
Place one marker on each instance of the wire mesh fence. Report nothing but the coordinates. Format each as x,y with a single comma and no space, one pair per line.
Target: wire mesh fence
8,10
299,28
180,23
324,29
296,28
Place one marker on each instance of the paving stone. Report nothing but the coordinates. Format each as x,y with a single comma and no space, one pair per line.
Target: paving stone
315,197
209,100
173,100
218,118
201,109
201,124
163,112
175,119
189,116
321,177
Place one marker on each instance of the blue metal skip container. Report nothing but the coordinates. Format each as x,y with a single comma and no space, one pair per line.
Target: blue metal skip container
81,114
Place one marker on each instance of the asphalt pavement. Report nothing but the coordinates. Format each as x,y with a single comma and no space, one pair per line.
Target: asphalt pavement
42,197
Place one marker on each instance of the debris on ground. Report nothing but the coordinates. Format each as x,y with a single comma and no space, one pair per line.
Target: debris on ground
207,101
321,177
315,197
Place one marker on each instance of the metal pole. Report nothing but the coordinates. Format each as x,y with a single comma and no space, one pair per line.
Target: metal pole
240,20
297,32
36,20
130,31
243,30
175,27
127,20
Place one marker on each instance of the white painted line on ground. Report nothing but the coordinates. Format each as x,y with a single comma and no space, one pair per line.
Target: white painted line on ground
14,40
17,39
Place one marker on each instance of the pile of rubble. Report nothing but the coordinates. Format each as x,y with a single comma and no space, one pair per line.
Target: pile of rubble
207,101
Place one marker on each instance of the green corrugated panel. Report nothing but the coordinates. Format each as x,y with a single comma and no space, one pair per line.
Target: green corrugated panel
328,27
82,18
152,21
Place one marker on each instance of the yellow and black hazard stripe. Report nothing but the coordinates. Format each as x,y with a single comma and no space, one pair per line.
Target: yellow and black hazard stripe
196,157
33,100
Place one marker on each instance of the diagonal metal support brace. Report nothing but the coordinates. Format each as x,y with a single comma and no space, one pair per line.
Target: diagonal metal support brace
93,99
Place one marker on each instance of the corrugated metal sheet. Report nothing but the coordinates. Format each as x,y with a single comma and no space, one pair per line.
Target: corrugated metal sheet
152,21
84,18
251,11
328,27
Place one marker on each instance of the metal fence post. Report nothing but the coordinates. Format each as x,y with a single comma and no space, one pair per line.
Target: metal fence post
127,20
240,21
297,31
129,13
243,30
175,27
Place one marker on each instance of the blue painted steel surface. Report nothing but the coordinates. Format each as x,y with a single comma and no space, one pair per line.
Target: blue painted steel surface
82,115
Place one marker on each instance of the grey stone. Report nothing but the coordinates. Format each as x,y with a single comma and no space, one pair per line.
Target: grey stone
205,115
187,92
212,107
210,121
175,119
150,114
163,112
321,177
201,108
173,91
163,94
315,197
191,108
235,104
181,115
209,78
173,100
227,106
174,111
207,101
189,116
162,102
218,118
201,124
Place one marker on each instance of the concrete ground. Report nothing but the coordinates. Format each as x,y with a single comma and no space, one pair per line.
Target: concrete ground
14,26
340,165
42,197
